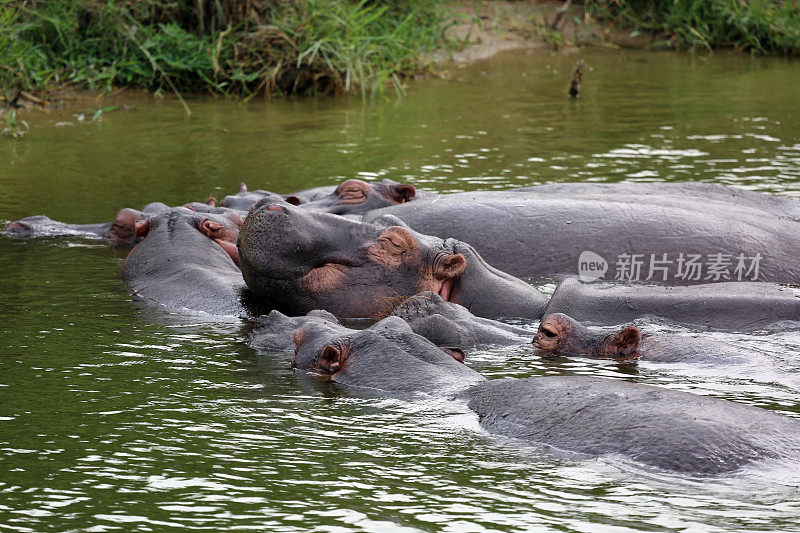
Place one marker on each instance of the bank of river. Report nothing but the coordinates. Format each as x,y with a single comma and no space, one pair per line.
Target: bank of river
115,415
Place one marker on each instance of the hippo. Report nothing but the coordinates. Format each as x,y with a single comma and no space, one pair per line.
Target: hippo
274,332
300,259
560,334
652,426
351,197
671,239
120,231
356,197
188,260
730,306
449,324
244,199
42,226
419,365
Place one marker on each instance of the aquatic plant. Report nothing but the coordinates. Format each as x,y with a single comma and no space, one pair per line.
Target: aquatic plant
14,128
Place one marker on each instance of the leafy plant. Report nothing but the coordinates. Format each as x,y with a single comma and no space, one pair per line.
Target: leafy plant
13,128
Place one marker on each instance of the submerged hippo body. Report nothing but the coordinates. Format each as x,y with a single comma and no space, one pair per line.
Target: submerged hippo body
658,427
42,226
736,197
732,306
122,230
187,261
299,259
655,426
560,334
674,240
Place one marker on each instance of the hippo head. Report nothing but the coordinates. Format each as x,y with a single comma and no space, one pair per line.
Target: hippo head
243,200
129,227
561,334
299,260
387,356
356,197
28,227
183,232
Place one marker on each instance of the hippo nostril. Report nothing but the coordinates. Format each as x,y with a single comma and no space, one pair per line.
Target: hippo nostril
549,333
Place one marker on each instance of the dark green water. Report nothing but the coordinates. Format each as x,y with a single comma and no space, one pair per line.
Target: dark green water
115,415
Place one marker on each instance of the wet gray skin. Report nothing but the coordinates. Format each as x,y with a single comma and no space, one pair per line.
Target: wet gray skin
653,426
528,234
122,230
42,226
275,332
298,259
448,324
351,197
561,335
388,356
186,261
731,306
737,197
244,199
356,197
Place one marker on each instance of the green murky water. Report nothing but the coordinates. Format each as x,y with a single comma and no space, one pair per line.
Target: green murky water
118,416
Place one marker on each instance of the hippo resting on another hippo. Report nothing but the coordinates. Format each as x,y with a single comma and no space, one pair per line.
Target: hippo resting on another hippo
448,324
663,237
351,197
658,427
188,260
297,260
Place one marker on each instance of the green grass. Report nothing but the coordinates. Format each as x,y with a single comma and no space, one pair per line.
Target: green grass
767,26
240,47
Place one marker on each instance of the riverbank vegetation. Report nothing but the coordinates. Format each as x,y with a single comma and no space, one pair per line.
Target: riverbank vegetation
767,26
237,47
248,47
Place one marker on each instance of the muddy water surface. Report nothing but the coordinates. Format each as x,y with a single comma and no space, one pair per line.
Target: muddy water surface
118,416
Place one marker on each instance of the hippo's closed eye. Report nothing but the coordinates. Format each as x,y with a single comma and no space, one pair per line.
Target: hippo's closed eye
352,191
393,244
397,239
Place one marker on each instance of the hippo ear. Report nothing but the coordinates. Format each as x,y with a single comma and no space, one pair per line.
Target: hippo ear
294,200
211,200
242,187
626,342
142,228
330,359
451,266
403,192
454,352
209,227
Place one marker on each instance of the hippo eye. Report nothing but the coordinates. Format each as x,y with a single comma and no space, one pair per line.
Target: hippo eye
393,246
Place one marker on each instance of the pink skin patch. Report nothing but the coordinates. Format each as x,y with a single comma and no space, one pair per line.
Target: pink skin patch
275,208
224,237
